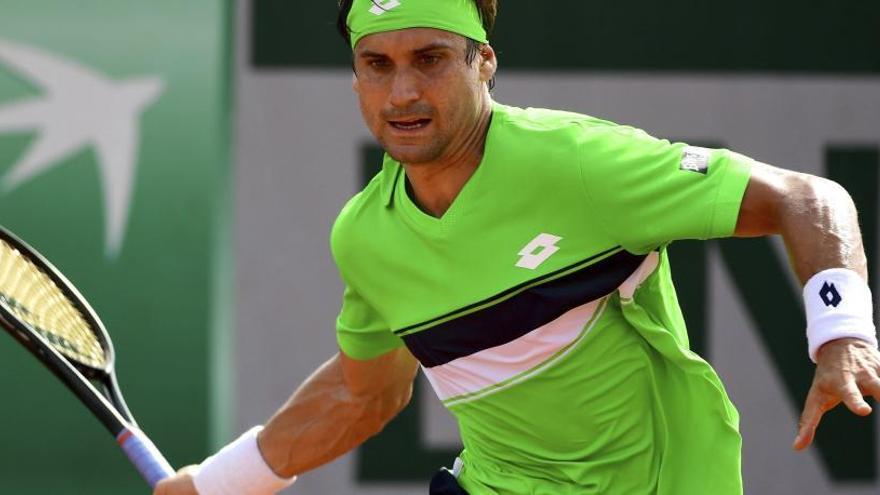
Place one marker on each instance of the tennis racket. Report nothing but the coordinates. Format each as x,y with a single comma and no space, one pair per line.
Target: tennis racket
46,314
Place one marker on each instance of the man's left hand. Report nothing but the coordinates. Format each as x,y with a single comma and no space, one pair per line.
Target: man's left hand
846,371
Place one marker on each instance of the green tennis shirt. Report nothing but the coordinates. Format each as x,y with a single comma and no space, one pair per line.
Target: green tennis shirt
542,310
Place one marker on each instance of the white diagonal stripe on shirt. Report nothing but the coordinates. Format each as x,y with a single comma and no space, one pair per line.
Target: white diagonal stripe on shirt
482,370
491,366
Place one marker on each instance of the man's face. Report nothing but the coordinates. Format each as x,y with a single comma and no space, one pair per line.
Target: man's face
417,94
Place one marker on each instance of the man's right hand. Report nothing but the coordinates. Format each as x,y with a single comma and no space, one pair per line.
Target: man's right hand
179,484
344,402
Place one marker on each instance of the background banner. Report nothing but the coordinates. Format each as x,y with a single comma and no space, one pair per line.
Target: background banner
114,163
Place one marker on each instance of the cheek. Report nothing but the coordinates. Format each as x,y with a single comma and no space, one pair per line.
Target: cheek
370,110
459,100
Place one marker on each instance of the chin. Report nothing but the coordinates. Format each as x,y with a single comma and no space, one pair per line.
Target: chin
412,155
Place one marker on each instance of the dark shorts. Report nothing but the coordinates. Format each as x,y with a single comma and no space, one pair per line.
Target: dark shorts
444,483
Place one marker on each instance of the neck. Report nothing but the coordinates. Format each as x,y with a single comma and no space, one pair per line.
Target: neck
435,185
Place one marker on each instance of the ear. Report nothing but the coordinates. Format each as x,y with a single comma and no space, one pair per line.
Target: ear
488,63
354,83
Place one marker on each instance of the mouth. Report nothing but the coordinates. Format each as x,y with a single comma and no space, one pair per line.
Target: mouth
410,124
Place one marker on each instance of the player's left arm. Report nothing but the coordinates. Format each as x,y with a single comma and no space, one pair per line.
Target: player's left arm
818,222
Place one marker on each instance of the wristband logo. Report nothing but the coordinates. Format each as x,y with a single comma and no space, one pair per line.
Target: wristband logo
829,295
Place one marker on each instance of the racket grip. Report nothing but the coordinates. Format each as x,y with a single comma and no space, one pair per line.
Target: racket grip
145,456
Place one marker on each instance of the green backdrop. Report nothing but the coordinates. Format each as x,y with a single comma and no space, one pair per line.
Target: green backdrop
164,294
682,35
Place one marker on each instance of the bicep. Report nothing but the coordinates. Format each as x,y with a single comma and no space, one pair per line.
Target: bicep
816,218
391,373
779,201
768,191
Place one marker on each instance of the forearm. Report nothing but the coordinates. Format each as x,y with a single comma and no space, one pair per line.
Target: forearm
825,232
816,219
327,417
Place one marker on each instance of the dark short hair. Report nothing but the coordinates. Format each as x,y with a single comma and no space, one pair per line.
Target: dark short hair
488,10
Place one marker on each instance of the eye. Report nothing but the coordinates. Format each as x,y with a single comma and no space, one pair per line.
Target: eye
378,63
429,59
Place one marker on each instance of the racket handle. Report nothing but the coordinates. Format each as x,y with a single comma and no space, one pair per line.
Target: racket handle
145,456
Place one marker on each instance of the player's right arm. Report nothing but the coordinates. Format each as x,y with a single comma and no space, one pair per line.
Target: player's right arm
343,403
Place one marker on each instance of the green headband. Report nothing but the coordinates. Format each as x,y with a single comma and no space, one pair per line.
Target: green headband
377,16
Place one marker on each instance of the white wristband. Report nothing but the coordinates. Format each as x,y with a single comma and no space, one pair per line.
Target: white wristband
239,469
839,305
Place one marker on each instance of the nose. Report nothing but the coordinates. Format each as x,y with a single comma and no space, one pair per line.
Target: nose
405,88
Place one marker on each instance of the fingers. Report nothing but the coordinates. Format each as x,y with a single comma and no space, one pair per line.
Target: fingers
870,385
166,486
179,484
814,408
846,372
818,403
852,397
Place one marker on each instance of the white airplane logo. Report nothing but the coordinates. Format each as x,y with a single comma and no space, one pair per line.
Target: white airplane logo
79,108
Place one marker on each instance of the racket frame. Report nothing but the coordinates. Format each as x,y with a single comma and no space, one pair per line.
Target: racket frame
113,415
107,405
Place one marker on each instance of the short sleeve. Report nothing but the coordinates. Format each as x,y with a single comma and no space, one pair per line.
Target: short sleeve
360,331
649,191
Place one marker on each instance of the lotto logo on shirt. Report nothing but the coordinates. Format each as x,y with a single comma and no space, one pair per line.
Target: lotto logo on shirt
537,251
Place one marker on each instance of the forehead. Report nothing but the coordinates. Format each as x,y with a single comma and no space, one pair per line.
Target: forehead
408,40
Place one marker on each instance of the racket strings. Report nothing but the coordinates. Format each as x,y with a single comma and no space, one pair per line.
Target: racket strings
36,300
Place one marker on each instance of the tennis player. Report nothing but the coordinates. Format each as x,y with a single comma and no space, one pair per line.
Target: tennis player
519,256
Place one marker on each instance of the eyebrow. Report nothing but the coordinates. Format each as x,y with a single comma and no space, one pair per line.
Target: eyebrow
437,45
